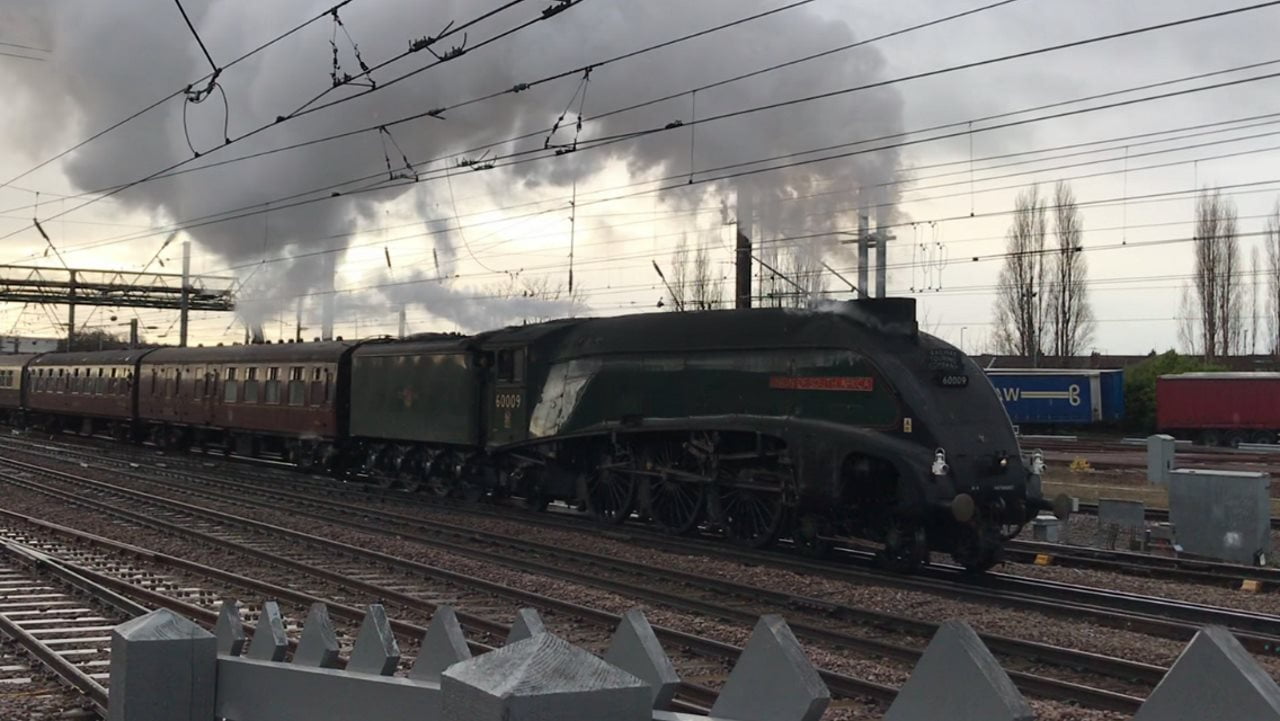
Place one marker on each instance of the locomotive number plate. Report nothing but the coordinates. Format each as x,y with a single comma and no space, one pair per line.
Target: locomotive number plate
953,380
945,359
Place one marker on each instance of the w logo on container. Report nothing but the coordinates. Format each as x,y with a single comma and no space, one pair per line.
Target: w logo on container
1013,395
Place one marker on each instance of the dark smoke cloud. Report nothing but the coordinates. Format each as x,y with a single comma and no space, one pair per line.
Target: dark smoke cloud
112,58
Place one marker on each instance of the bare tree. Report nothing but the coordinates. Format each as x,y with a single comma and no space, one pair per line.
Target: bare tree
791,276
678,285
1271,240
545,289
707,291
1070,316
694,283
1217,286
1188,328
1021,303
1252,345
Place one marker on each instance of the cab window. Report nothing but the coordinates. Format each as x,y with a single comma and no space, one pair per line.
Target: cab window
511,365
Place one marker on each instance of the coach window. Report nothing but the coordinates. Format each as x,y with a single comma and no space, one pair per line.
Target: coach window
297,387
231,387
251,385
272,394
317,386
328,385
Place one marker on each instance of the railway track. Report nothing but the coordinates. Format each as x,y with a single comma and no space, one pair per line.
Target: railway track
470,533
1136,564
61,620
1016,590
815,632
409,584
1173,568
1180,569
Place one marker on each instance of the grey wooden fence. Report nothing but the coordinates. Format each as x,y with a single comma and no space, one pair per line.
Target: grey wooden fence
166,668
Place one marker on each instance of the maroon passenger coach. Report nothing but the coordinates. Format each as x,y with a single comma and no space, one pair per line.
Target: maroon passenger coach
283,398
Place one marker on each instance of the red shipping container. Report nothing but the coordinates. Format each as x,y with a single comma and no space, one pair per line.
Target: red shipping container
1219,408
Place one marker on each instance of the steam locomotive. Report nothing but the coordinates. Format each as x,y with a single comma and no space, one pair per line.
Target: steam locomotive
762,425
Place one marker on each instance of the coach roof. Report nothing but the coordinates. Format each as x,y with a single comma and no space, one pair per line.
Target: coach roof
321,351
91,358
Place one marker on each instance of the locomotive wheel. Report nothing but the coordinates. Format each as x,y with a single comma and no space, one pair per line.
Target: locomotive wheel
808,536
752,518
978,549
904,550
439,486
676,507
611,496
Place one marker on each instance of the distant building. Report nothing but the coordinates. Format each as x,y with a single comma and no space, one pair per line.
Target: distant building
27,344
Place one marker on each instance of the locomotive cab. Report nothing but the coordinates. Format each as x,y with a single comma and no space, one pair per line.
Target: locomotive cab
506,397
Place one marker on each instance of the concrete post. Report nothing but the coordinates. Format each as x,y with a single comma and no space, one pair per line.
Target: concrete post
318,646
229,629
375,650
527,625
864,249
270,643
163,668
636,649
442,646
773,679
184,306
957,679
1214,678
71,310
541,678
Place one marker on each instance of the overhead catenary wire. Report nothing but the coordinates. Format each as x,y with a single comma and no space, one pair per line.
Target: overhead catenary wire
565,4
707,176
19,56
436,113
179,92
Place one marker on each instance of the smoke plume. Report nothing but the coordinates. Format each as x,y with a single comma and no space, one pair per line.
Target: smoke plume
111,58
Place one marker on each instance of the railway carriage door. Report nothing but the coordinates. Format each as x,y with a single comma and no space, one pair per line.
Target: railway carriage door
507,403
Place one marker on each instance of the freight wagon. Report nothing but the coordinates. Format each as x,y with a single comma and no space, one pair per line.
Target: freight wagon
1046,398
1219,408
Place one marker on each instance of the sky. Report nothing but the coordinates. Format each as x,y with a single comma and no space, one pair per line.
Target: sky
411,216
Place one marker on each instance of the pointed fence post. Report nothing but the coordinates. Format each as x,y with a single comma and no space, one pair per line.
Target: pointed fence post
319,644
270,642
527,625
1214,678
163,668
443,645
636,650
375,651
957,679
773,679
230,629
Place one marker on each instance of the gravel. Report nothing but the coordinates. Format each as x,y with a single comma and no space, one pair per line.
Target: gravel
1018,623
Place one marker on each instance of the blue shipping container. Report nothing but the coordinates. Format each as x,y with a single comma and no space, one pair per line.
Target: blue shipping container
1060,397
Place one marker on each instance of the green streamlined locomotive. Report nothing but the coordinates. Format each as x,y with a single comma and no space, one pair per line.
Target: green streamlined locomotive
766,424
